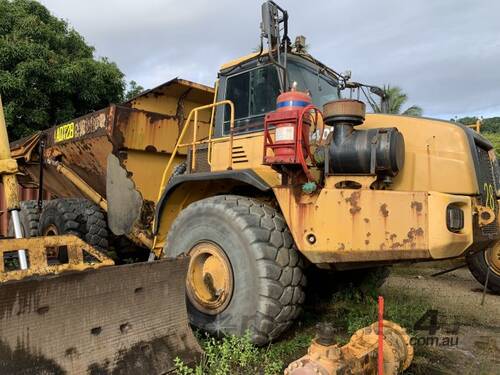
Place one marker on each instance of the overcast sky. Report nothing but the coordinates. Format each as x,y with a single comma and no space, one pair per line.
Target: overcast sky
444,53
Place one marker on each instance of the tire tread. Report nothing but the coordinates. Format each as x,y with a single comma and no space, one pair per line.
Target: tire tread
281,285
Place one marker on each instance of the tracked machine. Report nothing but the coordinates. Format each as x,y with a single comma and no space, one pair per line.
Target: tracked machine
232,194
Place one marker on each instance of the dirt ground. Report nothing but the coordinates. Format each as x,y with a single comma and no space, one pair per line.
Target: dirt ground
468,333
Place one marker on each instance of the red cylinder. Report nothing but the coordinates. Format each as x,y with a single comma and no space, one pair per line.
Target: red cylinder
286,132
292,100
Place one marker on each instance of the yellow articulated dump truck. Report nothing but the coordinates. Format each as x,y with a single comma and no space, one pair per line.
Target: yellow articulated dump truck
271,172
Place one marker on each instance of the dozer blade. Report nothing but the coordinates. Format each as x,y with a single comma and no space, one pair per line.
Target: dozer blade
122,320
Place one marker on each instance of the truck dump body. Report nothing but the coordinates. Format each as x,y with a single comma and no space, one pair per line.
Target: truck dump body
121,146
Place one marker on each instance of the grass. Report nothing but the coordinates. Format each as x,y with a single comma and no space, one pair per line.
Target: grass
237,355
348,310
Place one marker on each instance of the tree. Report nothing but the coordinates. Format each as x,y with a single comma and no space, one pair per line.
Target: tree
490,128
488,125
494,138
48,73
134,89
396,98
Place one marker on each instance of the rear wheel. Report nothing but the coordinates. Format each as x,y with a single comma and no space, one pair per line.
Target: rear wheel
479,264
29,216
75,216
244,272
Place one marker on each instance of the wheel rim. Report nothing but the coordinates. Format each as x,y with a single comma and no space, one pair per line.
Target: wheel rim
209,282
492,256
51,230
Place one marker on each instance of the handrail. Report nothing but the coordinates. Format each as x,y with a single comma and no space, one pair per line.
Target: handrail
212,117
476,126
179,144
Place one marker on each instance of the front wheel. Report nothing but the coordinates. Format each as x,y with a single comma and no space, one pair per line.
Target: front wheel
479,264
245,273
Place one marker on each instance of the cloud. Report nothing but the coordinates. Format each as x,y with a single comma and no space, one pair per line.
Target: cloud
445,54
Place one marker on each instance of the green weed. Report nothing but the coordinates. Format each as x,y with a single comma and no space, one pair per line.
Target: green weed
348,309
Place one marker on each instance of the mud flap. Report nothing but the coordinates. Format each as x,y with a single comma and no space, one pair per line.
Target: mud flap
123,320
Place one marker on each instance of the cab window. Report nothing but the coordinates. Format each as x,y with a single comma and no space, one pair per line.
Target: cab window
253,94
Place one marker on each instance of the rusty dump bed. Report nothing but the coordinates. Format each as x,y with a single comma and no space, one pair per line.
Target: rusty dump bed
121,148
92,322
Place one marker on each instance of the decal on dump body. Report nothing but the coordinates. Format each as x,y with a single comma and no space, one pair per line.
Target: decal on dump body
64,132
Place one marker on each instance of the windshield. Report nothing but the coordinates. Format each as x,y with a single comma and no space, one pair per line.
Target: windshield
321,87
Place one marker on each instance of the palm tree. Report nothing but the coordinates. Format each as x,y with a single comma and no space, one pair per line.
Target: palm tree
396,98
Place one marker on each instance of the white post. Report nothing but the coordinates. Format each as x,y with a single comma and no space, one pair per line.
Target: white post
19,234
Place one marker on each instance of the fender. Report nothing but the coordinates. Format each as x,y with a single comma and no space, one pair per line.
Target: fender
246,176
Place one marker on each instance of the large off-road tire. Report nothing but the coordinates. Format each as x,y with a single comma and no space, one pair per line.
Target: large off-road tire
29,215
244,273
480,262
75,216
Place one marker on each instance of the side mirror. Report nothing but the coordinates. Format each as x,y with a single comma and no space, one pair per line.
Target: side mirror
269,24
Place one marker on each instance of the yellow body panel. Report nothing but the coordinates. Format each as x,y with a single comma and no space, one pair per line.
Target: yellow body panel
175,99
437,156
172,96
239,60
373,225
246,154
438,171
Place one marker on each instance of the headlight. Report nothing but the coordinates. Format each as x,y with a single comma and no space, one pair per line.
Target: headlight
454,218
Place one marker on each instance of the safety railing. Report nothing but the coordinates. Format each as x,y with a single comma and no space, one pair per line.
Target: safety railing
193,117
476,126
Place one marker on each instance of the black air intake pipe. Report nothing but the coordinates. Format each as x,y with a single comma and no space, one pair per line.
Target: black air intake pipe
378,152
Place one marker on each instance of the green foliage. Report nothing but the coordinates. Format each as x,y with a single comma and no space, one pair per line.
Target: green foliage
48,74
237,355
134,89
349,309
396,98
488,125
490,128
494,138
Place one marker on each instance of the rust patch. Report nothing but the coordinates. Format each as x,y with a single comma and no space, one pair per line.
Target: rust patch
393,236
383,210
353,200
341,247
417,206
367,242
414,232
368,234
156,117
410,240
366,220
179,112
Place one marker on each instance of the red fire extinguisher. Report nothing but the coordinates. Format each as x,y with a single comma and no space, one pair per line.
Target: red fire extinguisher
290,145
